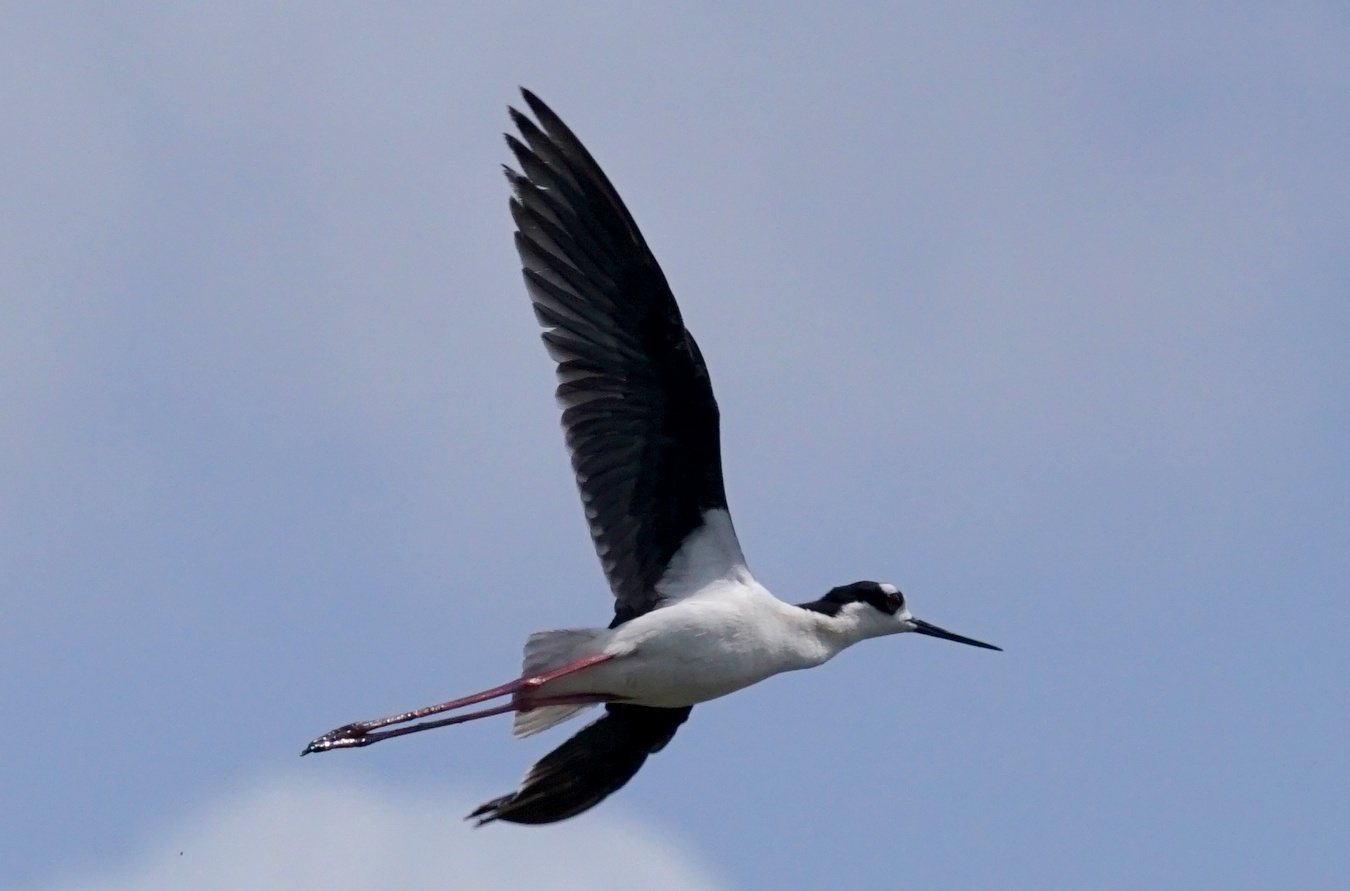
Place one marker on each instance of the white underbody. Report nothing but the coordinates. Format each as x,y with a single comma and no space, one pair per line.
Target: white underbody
716,631
700,648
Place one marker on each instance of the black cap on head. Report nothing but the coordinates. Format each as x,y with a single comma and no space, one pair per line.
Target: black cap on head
882,597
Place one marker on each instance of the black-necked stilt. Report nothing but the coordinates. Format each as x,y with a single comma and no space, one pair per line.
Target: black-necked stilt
690,621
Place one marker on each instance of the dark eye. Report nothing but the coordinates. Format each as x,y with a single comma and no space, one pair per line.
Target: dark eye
895,601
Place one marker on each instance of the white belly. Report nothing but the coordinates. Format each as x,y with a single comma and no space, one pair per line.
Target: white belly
698,649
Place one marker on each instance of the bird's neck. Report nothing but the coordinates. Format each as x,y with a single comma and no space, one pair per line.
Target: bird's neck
818,637
836,629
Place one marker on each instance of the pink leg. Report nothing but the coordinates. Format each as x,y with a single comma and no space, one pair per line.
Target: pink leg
359,734
530,684
324,743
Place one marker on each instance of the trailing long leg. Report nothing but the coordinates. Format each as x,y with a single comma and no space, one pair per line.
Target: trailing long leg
363,733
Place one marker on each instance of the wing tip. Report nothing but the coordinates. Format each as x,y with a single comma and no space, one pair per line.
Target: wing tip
486,812
533,101
587,768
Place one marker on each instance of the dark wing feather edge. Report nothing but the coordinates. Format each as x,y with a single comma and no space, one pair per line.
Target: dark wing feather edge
586,769
639,415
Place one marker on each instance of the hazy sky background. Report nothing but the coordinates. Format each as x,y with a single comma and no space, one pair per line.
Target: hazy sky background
1042,314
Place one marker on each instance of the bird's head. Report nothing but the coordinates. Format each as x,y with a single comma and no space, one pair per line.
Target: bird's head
873,609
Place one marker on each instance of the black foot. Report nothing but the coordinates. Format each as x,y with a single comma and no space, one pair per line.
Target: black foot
348,736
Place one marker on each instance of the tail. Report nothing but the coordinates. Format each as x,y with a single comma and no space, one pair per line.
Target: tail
545,651
586,769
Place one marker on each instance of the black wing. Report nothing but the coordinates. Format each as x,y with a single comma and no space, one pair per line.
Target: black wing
638,408
583,771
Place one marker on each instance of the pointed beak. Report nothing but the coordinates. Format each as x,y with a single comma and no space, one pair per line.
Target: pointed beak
932,630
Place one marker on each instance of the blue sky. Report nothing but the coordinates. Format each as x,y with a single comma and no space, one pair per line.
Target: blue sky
1040,314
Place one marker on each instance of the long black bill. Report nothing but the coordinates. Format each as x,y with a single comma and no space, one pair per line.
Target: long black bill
932,630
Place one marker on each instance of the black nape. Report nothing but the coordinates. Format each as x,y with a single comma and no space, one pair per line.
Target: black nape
885,598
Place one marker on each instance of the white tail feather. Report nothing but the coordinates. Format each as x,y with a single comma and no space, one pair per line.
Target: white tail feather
546,651
540,719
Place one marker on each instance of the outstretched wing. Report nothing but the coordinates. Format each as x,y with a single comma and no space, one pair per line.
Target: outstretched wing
638,409
583,771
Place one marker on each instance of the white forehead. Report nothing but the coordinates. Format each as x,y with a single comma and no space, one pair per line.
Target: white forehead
887,588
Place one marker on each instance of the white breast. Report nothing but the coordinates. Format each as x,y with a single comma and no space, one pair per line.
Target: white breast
730,635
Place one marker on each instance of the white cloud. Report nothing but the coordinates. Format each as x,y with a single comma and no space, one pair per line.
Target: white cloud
294,835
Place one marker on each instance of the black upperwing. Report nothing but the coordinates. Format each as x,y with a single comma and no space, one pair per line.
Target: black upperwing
639,415
583,771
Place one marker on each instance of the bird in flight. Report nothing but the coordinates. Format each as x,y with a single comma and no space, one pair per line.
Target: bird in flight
690,621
